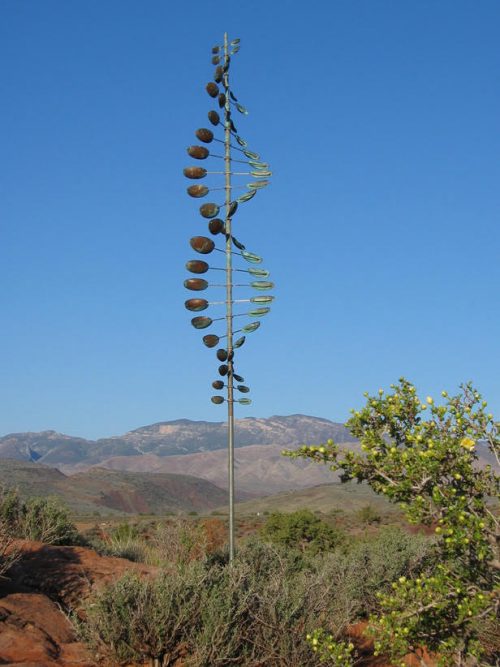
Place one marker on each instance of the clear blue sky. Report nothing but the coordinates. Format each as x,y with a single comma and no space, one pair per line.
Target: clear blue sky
381,227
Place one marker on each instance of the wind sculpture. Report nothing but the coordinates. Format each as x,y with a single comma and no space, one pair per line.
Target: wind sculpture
234,151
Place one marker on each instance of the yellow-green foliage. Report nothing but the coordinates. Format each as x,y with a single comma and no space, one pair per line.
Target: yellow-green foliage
423,456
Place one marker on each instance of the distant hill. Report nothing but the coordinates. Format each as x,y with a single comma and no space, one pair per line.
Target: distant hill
259,469
325,498
197,448
109,490
167,439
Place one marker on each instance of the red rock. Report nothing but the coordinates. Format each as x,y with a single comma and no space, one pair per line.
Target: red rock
34,631
68,574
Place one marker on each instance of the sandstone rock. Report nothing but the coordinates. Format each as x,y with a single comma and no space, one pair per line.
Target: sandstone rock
34,630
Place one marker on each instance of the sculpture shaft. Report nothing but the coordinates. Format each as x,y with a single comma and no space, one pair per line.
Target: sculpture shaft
229,303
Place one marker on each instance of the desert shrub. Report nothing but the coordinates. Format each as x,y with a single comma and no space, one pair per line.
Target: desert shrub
11,510
429,467
42,519
215,535
9,554
122,541
167,544
258,611
301,530
368,514
138,619
48,520
179,542
370,565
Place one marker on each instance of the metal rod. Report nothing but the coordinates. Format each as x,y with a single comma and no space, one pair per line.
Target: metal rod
229,304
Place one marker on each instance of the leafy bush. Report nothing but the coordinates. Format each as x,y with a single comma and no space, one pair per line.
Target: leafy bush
48,520
256,612
302,530
137,619
43,519
429,467
125,541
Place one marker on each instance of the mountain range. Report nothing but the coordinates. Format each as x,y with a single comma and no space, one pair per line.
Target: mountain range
178,437
184,448
196,448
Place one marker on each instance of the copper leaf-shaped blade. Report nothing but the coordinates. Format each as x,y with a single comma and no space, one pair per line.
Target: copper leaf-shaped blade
251,257
210,340
219,73
196,305
247,196
217,399
259,273
209,210
258,312
214,117
195,172
251,155
222,100
205,135
212,89
242,109
216,226
195,284
197,266
239,342
248,328
223,369
218,384
262,284
197,191
215,60
244,389
201,322
202,244
221,355
215,49
198,152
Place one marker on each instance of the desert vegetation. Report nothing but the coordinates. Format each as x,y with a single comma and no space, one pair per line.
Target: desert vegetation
260,610
44,519
311,587
426,462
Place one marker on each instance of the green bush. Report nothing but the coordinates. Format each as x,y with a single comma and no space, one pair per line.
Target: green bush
138,619
427,462
301,530
256,612
48,520
42,519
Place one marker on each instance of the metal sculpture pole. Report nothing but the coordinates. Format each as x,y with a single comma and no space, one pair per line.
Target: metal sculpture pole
259,171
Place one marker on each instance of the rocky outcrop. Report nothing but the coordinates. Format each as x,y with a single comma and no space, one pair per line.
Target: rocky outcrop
45,583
